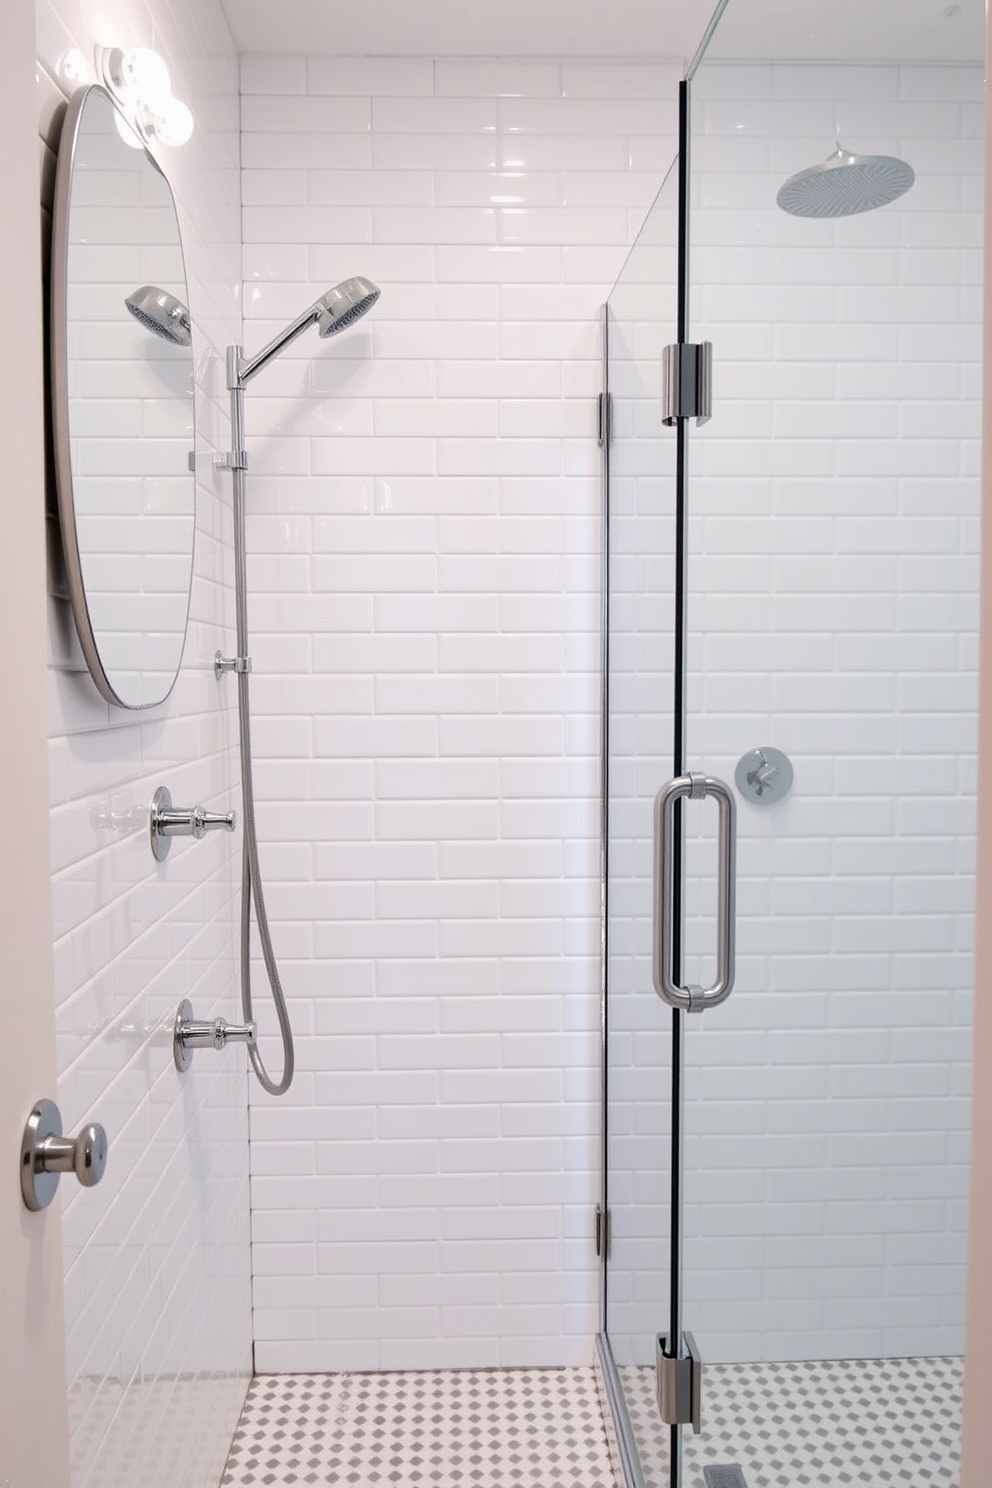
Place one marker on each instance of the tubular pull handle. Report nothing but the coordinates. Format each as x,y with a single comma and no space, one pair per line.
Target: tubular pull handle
697,788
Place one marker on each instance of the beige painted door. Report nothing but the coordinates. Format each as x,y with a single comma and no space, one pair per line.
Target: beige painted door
34,1450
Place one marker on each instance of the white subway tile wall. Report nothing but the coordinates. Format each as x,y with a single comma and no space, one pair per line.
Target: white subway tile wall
424,512
157,1281
832,614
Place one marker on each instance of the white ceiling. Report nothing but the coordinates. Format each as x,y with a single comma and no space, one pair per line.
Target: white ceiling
931,30
470,28
853,30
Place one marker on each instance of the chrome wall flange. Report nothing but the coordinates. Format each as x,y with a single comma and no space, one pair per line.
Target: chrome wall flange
764,775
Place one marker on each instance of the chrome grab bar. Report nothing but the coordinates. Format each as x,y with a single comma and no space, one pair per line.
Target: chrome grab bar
696,788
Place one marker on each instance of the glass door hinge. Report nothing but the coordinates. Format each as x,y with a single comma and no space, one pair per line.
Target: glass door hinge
605,413
687,390
602,1231
679,1382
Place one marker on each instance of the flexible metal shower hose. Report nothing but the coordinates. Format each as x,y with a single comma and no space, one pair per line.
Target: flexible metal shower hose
251,877
251,887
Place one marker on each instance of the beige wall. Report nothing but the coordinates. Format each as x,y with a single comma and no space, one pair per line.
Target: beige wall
34,1450
977,1451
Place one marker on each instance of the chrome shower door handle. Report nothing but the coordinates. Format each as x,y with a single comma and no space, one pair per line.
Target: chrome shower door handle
695,788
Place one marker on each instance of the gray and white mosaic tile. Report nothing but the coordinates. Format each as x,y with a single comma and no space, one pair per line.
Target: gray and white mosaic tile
864,1423
485,1428
871,1423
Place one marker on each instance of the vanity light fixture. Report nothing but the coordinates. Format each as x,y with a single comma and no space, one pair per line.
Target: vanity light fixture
138,79
74,69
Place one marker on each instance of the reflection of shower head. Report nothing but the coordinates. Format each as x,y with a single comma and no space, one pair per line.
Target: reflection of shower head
845,184
334,311
160,312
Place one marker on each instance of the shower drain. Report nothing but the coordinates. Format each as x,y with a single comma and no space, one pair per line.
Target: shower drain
724,1477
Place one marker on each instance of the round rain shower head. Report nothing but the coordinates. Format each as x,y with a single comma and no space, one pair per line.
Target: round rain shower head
845,184
160,312
346,303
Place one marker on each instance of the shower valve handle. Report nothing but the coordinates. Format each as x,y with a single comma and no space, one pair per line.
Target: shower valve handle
189,1033
168,821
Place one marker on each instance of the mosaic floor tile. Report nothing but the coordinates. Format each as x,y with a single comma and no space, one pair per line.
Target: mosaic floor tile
869,1423
839,1424
499,1428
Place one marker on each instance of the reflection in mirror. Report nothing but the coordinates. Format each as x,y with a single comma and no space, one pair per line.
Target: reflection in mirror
122,375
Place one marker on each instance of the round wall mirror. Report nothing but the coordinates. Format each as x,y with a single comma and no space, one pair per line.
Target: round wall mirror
122,403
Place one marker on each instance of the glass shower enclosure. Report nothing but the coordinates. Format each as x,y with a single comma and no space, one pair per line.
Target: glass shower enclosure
790,579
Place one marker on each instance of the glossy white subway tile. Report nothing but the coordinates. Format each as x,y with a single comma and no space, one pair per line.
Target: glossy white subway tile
394,76
174,1206
498,78
504,661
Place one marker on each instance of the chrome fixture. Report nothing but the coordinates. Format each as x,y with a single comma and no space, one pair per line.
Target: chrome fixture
696,788
46,1154
334,311
189,1034
161,313
679,1382
138,79
168,821
687,388
224,664
764,775
337,309
844,184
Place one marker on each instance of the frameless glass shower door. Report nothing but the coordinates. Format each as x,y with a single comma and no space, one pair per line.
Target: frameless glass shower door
792,609
642,509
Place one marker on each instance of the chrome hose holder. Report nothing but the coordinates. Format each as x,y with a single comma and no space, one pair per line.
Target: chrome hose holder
236,664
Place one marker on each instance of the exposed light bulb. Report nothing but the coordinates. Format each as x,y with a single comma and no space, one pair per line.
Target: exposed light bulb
127,134
172,122
138,78
74,68
146,75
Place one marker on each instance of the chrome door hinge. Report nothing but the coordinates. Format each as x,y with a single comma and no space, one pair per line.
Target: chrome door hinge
679,1382
602,1231
688,381
605,415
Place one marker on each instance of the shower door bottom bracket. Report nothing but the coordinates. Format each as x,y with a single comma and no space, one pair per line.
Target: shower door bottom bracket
679,1383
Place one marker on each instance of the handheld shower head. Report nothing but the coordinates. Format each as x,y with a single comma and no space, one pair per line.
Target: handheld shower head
334,311
161,313
346,303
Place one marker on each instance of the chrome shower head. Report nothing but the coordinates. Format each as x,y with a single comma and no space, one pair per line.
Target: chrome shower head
161,313
844,184
346,303
338,308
